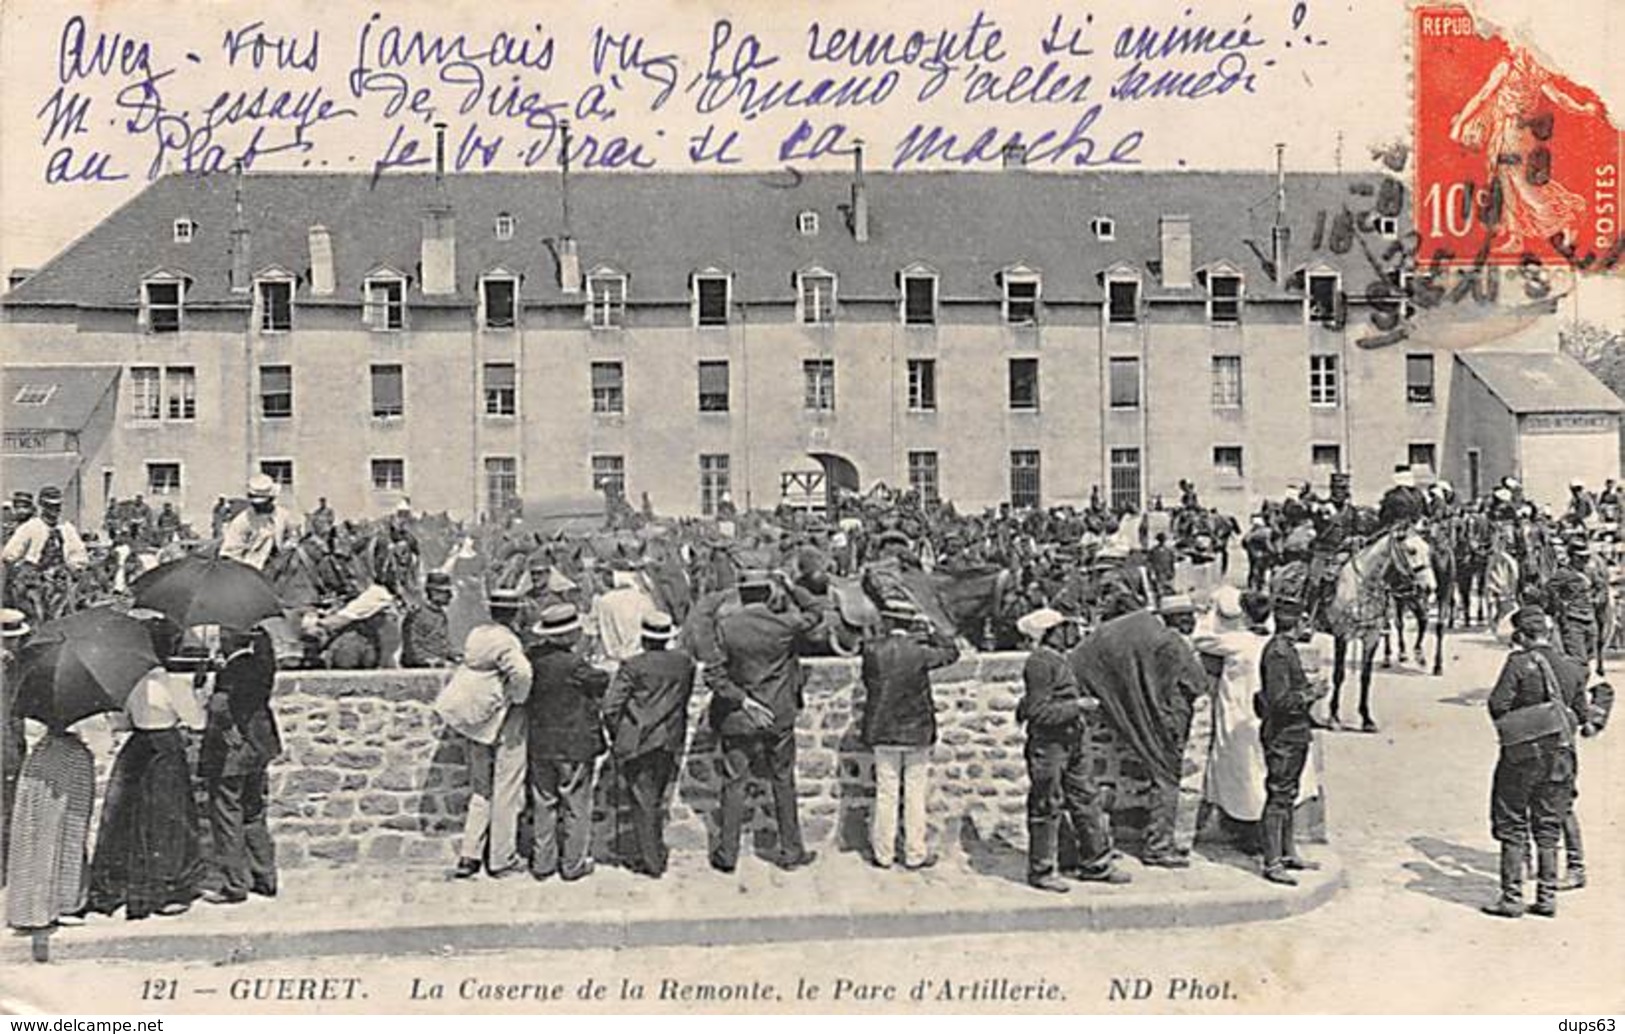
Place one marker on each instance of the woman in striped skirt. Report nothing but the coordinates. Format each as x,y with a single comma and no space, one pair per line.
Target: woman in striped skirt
49,823
147,856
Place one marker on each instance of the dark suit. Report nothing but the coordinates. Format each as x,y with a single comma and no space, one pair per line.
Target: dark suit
646,711
1058,775
1282,705
758,659
240,740
564,743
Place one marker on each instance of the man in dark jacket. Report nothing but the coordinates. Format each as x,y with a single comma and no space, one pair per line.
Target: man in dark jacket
1282,705
240,740
565,740
646,711
426,633
900,724
1533,786
1052,708
756,693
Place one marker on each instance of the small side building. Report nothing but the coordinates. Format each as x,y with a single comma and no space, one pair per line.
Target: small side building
58,422
1539,417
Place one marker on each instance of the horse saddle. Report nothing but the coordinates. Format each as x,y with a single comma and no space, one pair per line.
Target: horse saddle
853,603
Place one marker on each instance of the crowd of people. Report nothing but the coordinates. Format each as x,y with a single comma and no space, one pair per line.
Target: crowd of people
592,646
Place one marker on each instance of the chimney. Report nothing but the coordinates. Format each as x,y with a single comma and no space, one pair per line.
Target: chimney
860,196
1176,250
321,262
438,263
1280,234
568,255
1015,155
241,267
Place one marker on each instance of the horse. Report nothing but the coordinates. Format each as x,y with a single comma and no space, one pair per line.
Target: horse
968,602
1358,608
1475,537
1413,600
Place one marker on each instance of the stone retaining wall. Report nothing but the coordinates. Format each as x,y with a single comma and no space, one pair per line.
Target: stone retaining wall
369,774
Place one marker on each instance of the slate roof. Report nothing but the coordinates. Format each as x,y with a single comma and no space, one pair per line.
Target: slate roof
74,394
661,227
1541,382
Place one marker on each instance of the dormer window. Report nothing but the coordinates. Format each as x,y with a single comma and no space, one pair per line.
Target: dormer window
815,297
1021,293
1320,303
385,302
34,394
606,299
184,229
807,224
273,303
161,302
1224,297
504,227
1103,228
711,299
919,296
499,301
1122,299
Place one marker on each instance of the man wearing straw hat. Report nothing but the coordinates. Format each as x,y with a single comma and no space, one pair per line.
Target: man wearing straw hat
565,741
646,713
261,530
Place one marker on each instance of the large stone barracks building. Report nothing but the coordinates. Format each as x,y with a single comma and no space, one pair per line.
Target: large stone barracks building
1012,335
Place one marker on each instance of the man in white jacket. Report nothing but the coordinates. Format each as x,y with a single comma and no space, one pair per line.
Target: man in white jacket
497,768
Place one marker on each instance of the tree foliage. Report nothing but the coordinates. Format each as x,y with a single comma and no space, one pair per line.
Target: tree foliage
1598,349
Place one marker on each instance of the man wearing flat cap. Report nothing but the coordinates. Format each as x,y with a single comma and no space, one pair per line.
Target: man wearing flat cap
46,540
646,713
1180,682
1570,602
756,694
1534,780
426,632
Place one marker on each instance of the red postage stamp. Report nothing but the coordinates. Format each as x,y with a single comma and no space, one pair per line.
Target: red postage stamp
1515,163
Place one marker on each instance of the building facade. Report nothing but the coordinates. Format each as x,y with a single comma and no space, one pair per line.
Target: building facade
1013,336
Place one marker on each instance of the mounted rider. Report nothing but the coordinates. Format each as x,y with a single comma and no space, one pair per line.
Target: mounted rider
261,530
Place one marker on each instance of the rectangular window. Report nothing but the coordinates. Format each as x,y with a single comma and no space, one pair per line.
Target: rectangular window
818,383
1125,479
280,471
919,300
609,475
817,298
1026,489
1423,454
276,306
1023,380
1224,298
163,306
501,392
1122,301
500,298
714,483
1125,382
608,388
714,386
501,484
1322,300
1323,380
1326,459
385,307
922,385
389,475
164,479
1419,379
388,392
922,476
146,393
606,300
276,392
1227,382
1227,461
1021,301
711,301
180,393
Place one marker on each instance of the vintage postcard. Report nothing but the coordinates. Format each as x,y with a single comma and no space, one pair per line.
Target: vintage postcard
693,506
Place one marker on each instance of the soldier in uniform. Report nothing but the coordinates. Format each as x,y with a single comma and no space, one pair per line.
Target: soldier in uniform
1286,731
426,633
21,509
45,539
1569,594
1403,503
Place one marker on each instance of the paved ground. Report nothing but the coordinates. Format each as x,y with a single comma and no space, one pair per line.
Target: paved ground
1408,816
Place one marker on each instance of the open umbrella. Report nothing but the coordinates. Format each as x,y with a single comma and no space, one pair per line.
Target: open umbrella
199,590
81,665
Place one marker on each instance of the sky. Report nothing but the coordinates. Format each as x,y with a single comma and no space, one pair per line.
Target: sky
1330,80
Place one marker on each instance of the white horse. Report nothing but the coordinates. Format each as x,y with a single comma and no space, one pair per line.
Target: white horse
1398,560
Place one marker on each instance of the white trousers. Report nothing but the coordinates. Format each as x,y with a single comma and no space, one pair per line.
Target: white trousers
907,769
496,777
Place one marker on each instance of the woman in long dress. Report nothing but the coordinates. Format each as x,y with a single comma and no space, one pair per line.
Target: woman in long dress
50,823
147,856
